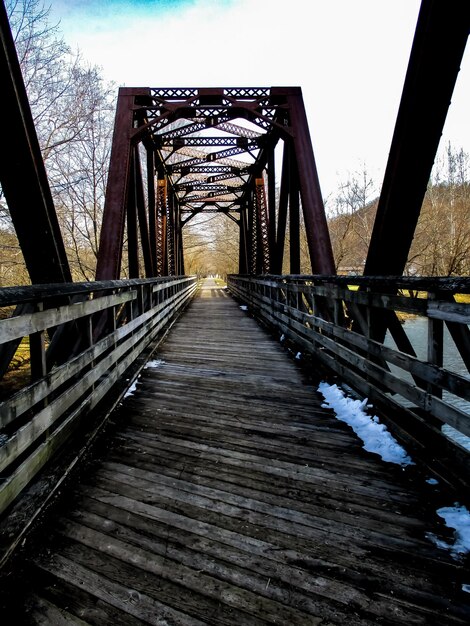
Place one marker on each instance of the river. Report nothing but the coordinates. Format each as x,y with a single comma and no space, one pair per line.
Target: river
417,330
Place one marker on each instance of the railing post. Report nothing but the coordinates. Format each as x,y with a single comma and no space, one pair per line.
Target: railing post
37,351
435,345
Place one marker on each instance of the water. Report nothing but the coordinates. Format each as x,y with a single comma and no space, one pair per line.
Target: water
417,330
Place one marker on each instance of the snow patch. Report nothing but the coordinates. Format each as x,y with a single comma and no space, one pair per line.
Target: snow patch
244,307
298,355
432,481
466,588
132,388
375,435
154,363
458,518
282,338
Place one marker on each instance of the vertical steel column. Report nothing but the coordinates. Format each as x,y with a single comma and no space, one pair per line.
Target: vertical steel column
23,175
179,235
112,230
142,215
438,46
152,226
271,205
318,238
171,233
132,236
243,241
253,231
294,219
282,214
162,201
262,255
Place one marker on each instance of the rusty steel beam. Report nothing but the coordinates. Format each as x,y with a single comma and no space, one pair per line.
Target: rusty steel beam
282,213
271,205
262,222
23,175
154,117
171,243
142,215
294,219
152,207
162,259
132,234
112,229
438,46
243,255
318,238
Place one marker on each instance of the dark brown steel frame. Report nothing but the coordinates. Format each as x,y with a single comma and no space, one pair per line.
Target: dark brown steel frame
144,116
246,193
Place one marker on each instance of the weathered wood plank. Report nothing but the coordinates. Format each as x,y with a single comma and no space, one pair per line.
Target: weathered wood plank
228,495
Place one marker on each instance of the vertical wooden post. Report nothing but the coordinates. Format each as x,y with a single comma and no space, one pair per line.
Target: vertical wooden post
37,352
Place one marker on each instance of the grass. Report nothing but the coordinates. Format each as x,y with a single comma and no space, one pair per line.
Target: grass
18,374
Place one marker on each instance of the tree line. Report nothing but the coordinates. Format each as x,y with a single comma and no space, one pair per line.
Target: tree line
73,111
441,244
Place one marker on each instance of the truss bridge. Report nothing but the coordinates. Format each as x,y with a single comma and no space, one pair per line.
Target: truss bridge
186,449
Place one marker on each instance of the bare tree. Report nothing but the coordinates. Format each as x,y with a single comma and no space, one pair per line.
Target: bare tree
441,246
351,220
72,111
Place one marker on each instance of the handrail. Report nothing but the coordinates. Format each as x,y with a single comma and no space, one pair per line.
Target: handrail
332,318
102,328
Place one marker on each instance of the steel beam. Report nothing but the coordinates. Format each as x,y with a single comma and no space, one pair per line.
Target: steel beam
271,205
23,175
148,116
162,212
112,229
243,255
294,219
438,46
152,207
318,237
263,260
132,236
282,213
142,215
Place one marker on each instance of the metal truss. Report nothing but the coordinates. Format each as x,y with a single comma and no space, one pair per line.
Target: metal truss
263,262
213,144
208,147
214,148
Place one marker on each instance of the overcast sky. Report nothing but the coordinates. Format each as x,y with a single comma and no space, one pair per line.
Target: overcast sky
348,56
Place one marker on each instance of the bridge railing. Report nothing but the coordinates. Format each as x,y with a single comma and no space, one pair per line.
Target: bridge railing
82,338
354,327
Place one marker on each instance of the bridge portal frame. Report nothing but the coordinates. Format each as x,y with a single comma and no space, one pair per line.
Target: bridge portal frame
171,124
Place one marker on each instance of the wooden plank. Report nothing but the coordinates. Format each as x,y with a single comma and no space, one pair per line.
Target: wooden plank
227,493
28,323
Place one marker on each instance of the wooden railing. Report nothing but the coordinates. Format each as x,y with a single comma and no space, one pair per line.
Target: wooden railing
83,339
353,326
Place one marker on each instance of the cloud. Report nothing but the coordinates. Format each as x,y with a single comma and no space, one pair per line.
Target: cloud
350,59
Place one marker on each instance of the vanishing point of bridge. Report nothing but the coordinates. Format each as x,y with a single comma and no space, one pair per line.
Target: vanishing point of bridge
170,460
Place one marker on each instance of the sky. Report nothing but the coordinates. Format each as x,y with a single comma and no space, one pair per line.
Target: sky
348,56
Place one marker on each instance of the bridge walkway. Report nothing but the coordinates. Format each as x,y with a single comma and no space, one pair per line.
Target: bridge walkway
227,495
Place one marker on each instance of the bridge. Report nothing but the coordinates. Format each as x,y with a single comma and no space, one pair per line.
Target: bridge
173,456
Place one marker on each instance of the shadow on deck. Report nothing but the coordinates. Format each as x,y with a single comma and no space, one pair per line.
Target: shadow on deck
228,495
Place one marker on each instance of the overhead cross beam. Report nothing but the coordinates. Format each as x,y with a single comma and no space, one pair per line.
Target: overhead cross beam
214,149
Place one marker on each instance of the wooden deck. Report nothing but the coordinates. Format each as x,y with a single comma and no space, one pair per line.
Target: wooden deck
229,496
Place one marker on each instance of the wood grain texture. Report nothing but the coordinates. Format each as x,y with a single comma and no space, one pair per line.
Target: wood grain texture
228,496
